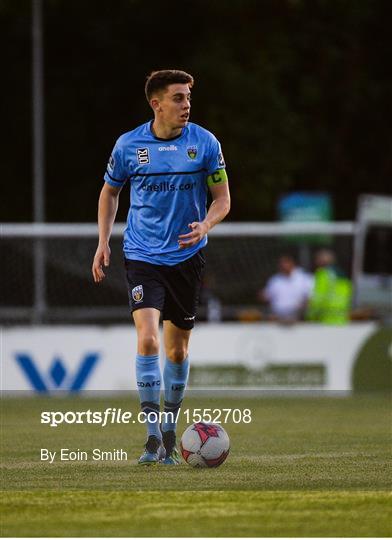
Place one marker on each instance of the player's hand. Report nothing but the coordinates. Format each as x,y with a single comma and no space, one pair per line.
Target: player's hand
198,231
101,258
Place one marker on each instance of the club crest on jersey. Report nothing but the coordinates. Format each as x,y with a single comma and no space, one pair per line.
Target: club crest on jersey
192,151
137,293
143,156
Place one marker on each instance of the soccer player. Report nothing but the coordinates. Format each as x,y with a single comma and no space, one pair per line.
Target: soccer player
170,164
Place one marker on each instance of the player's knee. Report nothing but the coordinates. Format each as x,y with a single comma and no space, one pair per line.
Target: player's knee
177,354
148,344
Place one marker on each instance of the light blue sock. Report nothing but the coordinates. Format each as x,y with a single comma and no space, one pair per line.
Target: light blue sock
175,377
148,377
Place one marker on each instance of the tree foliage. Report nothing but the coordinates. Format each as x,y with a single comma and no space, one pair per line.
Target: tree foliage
298,92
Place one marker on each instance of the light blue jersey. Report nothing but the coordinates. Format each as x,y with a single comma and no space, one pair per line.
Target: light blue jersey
168,181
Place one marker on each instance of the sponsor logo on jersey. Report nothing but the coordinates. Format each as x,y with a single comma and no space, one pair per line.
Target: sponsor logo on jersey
221,160
171,148
168,187
143,156
192,151
111,163
137,293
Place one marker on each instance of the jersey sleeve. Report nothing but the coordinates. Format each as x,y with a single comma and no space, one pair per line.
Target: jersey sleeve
116,174
216,173
215,160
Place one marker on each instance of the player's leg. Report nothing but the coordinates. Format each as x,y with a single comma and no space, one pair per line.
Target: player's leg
182,285
148,377
146,297
175,377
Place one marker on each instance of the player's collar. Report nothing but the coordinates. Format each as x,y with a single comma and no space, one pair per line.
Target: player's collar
160,139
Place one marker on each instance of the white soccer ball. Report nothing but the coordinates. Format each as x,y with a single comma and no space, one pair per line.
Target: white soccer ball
205,445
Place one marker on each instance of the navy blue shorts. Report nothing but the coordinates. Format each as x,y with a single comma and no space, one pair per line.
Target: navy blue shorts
173,290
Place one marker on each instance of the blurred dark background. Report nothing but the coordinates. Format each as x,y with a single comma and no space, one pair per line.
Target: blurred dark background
298,92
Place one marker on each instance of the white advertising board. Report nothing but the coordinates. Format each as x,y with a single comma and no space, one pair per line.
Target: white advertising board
270,356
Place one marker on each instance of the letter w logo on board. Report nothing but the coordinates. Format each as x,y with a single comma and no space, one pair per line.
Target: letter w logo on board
57,377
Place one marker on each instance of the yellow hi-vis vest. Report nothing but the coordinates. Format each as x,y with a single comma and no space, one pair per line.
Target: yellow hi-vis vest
330,302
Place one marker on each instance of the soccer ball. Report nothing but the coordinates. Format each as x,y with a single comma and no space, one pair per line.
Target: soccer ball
205,445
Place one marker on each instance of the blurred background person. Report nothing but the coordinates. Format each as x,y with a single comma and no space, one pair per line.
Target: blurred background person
330,302
288,291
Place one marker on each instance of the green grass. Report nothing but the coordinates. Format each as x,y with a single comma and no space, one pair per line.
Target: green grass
197,513
303,467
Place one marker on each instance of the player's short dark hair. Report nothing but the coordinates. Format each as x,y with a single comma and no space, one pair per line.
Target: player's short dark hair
160,80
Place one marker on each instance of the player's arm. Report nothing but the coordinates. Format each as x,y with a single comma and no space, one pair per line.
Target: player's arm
220,205
264,295
107,210
218,210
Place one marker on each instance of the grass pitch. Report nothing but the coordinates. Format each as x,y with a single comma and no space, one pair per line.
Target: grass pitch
302,467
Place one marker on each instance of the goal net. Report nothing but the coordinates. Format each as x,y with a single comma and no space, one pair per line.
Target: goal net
46,269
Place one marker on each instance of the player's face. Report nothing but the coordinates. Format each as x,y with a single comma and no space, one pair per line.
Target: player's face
174,105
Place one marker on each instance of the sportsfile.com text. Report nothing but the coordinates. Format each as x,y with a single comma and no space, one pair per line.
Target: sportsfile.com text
113,415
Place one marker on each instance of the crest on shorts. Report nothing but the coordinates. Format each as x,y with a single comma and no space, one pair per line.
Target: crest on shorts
137,293
192,151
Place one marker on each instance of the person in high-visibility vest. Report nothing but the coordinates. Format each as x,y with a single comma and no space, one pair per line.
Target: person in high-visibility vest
330,301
